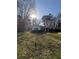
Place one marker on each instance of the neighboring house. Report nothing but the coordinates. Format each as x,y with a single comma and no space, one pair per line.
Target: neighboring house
36,28
35,25
20,24
52,23
48,22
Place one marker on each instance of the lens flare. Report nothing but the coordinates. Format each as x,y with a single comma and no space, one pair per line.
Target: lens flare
33,16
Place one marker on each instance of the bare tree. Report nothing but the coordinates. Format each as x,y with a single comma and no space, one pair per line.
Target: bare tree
24,9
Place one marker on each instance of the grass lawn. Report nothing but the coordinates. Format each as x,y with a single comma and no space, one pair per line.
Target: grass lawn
38,46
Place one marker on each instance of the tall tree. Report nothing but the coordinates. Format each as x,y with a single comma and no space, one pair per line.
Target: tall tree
24,9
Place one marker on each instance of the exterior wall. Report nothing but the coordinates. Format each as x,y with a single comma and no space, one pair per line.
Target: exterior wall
52,22
48,22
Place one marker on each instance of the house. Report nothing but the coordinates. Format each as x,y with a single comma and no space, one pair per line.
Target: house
48,22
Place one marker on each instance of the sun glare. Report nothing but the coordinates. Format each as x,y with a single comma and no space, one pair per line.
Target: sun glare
33,16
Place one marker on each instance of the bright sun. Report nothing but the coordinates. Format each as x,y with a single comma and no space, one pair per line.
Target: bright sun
33,16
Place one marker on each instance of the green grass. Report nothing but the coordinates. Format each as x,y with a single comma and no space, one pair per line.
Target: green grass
38,46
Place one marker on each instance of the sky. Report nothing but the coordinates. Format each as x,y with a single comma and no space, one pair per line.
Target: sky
44,7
